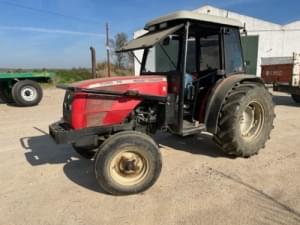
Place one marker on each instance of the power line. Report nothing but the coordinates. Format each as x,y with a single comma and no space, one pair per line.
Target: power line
47,30
48,12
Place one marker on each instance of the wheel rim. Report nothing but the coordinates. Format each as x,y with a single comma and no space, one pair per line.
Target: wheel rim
129,166
252,120
29,93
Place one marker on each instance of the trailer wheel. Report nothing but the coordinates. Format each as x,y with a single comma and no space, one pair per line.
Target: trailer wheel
27,93
296,98
5,93
126,163
86,152
246,120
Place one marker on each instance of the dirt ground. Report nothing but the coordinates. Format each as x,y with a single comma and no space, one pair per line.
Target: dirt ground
43,183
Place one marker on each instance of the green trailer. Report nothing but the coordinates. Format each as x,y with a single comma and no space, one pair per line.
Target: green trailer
23,88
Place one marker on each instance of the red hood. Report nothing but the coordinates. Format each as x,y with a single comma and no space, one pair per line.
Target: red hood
89,110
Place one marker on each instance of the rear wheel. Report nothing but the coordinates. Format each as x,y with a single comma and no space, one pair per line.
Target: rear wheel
246,120
296,98
27,93
126,163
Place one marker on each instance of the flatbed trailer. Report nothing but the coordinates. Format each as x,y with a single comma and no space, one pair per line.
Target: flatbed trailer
284,74
23,88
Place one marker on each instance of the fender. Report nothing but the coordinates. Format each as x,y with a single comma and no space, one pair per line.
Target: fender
218,95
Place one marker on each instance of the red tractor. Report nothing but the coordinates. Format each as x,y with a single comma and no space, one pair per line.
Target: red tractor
192,79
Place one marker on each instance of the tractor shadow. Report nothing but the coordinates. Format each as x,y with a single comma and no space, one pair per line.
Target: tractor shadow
270,209
42,150
200,144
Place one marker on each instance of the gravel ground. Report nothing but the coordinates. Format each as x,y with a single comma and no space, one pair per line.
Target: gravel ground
43,183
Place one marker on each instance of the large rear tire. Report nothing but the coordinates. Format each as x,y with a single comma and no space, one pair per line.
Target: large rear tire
128,162
296,98
27,93
245,120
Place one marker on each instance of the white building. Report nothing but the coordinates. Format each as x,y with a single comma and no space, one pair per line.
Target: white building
264,39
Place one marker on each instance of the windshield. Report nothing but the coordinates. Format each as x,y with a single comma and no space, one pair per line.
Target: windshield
162,57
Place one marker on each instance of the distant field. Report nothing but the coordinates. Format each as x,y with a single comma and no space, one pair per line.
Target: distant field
77,74
69,76
73,75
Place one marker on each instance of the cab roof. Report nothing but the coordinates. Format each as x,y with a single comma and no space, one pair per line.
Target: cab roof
190,15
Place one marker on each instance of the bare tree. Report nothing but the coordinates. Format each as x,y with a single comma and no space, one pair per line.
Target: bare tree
121,59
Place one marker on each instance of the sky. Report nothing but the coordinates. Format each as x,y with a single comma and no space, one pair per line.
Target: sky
58,33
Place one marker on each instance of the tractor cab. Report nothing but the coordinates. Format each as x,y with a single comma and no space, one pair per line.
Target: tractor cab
194,51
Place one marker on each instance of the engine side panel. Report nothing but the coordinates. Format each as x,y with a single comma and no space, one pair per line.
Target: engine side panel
90,110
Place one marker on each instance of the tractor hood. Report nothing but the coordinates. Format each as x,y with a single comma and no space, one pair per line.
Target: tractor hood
109,101
122,84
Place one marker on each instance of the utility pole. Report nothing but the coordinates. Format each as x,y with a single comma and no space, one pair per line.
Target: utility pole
107,50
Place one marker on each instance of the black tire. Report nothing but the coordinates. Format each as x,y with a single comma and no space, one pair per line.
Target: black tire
87,152
296,98
5,93
27,93
247,103
112,172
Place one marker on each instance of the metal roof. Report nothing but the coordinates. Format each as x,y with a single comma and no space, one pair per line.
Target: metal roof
189,15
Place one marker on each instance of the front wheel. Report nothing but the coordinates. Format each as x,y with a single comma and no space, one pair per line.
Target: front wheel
296,98
126,163
246,120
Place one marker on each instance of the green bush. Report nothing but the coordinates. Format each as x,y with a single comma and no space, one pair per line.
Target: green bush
73,75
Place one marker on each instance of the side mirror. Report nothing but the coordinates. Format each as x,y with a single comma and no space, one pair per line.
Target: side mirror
244,31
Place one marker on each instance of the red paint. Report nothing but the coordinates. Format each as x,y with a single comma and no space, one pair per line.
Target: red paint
90,110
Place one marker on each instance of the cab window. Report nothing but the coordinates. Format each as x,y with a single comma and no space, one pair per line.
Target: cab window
233,51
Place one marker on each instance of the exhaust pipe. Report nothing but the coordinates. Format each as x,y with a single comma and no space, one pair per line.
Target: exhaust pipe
93,57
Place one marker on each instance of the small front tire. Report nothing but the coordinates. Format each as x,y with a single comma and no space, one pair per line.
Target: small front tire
128,162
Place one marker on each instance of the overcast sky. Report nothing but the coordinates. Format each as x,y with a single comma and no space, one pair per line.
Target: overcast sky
58,33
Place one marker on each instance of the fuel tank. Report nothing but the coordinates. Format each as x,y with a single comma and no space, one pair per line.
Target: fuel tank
82,110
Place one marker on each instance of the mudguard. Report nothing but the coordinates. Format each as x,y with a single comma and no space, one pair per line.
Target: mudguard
218,95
